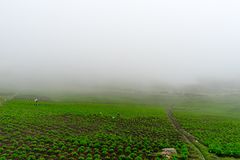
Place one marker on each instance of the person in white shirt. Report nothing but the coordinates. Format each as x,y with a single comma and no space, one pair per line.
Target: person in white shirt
36,101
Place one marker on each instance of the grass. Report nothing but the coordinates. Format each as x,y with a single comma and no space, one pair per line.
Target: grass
21,106
214,121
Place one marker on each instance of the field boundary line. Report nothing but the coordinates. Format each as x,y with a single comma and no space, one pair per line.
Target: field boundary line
185,135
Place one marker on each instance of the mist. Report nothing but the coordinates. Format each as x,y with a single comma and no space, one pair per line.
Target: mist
73,44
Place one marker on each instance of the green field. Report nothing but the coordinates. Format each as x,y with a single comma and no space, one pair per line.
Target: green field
118,127
214,121
65,130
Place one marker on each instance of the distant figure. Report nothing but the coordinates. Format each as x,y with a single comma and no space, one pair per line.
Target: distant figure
36,101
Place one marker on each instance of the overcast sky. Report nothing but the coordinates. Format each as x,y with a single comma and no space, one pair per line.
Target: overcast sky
102,41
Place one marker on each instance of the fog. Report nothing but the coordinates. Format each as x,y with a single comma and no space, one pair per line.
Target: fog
49,44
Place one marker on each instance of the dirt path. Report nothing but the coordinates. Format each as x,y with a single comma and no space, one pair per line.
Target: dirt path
187,137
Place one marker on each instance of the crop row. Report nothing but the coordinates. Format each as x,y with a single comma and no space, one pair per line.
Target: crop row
205,128
85,137
79,131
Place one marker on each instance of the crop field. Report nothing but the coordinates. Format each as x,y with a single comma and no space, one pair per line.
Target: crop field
214,121
118,127
67,130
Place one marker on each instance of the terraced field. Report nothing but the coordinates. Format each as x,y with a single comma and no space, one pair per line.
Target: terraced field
64,130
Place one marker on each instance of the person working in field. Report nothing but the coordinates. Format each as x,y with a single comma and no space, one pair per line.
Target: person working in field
36,101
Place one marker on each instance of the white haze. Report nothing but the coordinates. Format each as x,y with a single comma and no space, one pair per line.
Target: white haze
73,43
